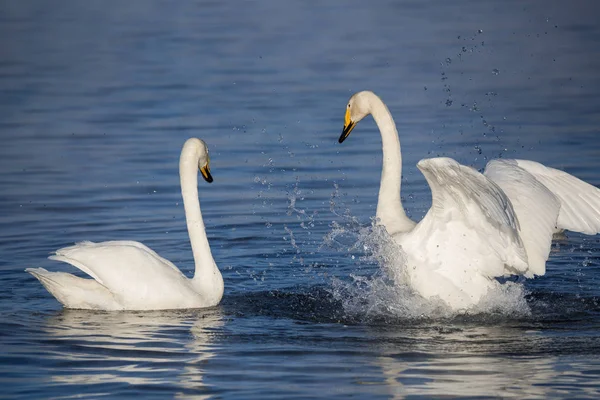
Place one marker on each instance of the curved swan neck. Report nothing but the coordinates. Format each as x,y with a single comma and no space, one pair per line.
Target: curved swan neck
188,175
389,205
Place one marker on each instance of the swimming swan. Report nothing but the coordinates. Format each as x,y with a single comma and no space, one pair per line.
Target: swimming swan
479,226
130,276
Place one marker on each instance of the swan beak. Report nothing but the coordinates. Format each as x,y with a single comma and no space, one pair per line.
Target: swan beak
205,171
348,126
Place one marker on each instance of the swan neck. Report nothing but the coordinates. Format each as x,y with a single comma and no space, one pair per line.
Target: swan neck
188,173
389,205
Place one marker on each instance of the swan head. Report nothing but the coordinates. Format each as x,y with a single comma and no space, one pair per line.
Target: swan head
204,161
359,106
195,150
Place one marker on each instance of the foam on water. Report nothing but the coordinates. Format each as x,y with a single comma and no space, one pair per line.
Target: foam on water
385,291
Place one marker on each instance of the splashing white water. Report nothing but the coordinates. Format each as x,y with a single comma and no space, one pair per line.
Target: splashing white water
387,292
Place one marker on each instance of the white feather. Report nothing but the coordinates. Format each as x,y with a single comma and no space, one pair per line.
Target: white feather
579,201
536,207
469,235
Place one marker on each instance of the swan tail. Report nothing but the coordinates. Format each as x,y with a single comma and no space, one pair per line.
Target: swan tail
74,292
579,201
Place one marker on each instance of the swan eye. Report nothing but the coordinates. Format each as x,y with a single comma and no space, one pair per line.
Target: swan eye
348,105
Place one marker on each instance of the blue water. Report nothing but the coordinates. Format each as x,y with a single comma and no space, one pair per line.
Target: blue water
97,98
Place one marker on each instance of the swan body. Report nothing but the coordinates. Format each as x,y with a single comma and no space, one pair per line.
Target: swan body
479,226
127,275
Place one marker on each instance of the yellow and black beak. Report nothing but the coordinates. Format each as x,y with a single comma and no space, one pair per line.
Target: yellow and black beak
205,171
348,126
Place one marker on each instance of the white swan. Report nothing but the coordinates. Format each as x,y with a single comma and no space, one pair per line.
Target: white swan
480,226
130,276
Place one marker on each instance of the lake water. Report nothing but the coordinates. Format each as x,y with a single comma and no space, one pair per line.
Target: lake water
97,99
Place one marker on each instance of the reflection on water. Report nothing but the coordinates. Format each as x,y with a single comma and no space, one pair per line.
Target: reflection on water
139,349
461,368
476,361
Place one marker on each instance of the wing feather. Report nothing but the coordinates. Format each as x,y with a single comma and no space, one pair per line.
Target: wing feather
579,201
128,269
461,195
536,207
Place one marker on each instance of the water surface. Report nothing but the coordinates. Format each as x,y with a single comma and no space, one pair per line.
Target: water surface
98,98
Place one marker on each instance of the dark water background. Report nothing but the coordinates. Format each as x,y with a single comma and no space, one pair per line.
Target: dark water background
96,99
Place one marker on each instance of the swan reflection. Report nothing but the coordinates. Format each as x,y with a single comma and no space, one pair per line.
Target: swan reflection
144,348
470,361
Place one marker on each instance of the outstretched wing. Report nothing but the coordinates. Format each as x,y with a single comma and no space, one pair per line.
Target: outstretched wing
471,222
579,201
536,207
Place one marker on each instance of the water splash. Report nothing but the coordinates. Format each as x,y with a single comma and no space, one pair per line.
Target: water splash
302,241
383,291
307,220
